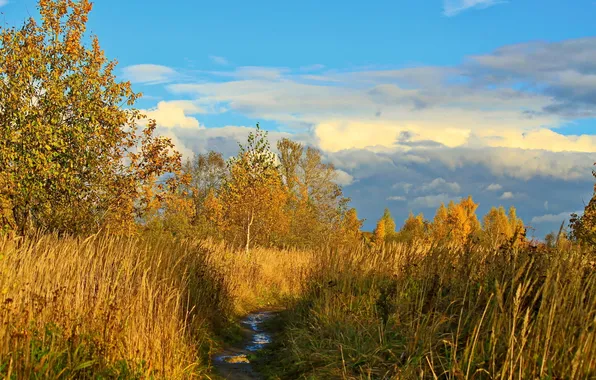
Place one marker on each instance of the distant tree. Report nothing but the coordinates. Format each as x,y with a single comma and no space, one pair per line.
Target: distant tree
71,158
415,227
389,225
351,228
290,154
318,187
205,174
379,233
550,240
316,205
440,226
583,227
462,220
253,198
496,228
517,228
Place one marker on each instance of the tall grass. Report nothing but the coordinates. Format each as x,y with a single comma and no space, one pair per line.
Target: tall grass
422,311
264,277
130,308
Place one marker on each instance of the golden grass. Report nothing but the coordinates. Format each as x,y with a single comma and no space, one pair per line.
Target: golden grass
157,307
421,311
129,308
264,277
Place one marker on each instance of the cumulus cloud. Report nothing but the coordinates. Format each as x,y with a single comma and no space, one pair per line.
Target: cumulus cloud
402,186
342,178
507,195
440,185
397,198
432,201
564,70
171,114
494,187
554,218
149,74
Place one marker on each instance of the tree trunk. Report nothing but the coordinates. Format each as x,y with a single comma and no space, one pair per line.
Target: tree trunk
251,218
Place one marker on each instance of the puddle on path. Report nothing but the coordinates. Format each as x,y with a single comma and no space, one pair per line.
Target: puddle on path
234,362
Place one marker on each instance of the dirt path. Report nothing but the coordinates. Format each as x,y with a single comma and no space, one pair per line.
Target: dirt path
234,361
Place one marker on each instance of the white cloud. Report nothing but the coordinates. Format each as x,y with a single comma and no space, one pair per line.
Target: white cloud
432,201
403,186
149,73
171,114
440,185
517,163
342,178
219,60
454,7
494,187
507,195
397,198
552,218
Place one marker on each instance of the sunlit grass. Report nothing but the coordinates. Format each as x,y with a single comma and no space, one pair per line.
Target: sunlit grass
129,308
420,311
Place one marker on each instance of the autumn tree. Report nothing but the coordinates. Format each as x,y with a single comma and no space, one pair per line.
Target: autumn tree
253,197
496,228
440,228
316,203
379,232
290,155
321,196
351,226
517,228
205,174
71,157
389,225
415,227
583,227
462,220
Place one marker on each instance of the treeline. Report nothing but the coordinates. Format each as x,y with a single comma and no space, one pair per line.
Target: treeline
262,198
457,224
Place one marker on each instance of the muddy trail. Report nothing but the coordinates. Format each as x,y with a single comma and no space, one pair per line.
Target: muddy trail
234,362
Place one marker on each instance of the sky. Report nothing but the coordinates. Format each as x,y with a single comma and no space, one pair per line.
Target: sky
414,102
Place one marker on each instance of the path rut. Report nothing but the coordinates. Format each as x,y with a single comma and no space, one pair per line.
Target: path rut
234,362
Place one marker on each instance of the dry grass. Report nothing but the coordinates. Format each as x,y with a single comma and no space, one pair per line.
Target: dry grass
115,306
156,307
129,308
264,277
426,312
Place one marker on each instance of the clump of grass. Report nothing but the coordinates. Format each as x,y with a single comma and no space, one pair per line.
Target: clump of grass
119,307
423,311
264,277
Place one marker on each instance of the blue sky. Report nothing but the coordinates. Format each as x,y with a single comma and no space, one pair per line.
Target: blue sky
415,102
